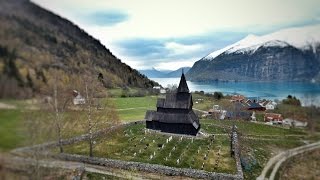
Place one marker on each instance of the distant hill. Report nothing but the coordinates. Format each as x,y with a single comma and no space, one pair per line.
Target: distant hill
34,40
154,73
287,55
177,73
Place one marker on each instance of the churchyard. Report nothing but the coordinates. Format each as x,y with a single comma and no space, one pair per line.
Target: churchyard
135,143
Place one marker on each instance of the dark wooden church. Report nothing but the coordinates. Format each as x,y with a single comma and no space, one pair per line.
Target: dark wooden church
174,113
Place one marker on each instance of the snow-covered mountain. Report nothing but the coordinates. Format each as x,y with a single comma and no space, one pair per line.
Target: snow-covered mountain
304,38
288,54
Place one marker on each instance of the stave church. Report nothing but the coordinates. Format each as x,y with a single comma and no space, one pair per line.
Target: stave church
174,113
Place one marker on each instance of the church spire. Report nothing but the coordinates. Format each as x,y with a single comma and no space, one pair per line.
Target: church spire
183,86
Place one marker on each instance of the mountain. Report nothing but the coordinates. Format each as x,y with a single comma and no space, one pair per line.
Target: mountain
154,73
287,55
177,73
34,41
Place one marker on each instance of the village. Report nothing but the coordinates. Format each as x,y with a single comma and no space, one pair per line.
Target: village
247,109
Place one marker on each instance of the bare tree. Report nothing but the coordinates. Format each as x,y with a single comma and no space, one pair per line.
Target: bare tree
57,96
312,111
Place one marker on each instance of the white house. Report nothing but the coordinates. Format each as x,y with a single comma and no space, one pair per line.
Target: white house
78,99
269,105
162,91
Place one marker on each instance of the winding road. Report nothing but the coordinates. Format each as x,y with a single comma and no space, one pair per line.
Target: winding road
275,162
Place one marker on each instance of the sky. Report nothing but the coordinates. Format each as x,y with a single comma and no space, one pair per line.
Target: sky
168,34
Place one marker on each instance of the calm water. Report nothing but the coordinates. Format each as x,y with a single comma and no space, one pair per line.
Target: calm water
307,92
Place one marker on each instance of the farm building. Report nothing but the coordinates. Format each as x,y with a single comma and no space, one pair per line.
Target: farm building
255,106
174,113
273,117
77,98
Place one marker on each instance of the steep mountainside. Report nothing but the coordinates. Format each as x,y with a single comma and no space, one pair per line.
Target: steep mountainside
33,41
287,55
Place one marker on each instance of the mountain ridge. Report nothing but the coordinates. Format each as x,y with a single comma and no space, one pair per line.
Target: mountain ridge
35,40
271,57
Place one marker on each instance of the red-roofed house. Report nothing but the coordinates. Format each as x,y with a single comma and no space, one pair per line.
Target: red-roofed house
273,117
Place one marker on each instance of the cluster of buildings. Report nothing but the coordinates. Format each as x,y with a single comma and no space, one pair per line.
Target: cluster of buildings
246,109
253,104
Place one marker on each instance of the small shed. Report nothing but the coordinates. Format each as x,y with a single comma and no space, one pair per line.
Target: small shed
77,98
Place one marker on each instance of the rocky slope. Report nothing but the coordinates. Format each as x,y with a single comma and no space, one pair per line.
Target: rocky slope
287,55
34,41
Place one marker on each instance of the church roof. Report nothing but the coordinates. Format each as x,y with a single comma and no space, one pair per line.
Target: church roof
176,100
182,118
183,87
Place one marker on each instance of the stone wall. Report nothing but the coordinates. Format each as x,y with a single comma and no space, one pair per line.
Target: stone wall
235,151
151,168
76,139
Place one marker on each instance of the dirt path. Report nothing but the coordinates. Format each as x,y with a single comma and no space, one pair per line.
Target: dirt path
275,162
7,106
21,163
205,112
131,108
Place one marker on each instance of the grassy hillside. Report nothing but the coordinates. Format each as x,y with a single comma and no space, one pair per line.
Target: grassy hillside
34,41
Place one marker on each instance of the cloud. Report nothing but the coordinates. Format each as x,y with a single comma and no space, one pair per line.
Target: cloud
179,49
163,52
146,33
175,64
106,18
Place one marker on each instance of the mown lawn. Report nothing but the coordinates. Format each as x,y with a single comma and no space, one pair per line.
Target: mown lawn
11,132
134,108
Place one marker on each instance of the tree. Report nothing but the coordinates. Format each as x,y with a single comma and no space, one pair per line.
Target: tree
292,101
172,88
57,96
97,111
218,95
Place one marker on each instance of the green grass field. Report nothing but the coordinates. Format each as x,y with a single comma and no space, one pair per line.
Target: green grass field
250,128
134,108
11,131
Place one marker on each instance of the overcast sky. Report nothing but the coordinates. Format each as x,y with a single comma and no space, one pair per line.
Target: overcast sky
168,34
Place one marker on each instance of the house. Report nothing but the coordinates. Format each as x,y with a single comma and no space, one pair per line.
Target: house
237,98
162,91
244,115
174,113
269,105
255,106
77,98
273,117
248,101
